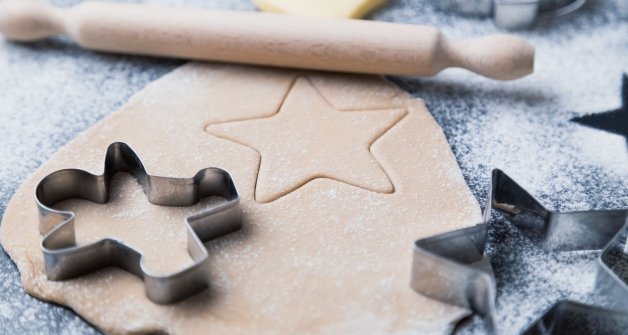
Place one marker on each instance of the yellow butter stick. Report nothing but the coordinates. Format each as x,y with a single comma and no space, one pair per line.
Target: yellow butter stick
328,8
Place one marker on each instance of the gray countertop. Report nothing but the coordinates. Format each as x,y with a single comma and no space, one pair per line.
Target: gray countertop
50,91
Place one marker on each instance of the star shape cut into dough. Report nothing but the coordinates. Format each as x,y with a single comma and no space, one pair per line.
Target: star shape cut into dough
308,138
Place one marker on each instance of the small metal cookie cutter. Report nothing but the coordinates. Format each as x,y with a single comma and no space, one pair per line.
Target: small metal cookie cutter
453,267
569,317
514,14
64,259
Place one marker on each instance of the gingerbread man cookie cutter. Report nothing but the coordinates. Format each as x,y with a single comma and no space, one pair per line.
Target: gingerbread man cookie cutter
64,259
454,268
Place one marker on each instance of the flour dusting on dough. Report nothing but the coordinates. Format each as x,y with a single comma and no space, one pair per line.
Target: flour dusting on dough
325,258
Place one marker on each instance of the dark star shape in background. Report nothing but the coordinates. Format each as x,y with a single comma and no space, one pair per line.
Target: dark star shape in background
614,121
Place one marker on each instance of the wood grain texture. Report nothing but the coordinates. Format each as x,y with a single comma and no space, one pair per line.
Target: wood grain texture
267,39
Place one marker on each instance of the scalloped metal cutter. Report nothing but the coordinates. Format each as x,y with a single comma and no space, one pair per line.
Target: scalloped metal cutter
64,259
453,267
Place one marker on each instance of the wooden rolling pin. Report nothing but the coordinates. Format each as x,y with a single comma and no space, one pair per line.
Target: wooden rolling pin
266,39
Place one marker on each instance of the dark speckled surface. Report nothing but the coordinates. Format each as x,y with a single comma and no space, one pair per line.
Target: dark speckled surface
51,91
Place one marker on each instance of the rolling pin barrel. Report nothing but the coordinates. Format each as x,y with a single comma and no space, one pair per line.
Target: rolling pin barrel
267,39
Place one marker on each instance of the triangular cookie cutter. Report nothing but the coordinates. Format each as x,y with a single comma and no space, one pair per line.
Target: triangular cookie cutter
64,259
454,268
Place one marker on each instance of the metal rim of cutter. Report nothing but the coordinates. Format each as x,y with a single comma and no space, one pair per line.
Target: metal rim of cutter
64,259
514,14
523,14
453,267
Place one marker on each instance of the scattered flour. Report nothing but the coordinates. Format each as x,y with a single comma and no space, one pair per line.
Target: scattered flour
51,91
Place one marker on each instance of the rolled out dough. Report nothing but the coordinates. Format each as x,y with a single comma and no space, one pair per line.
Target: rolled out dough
338,175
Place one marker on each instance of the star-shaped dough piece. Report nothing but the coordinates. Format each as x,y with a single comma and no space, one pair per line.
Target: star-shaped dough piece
308,138
354,9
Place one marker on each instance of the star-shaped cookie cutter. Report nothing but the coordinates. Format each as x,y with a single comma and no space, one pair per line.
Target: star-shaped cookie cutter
454,268
64,259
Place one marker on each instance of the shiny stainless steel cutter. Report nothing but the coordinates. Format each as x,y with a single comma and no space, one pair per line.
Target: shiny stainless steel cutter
454,268
64,259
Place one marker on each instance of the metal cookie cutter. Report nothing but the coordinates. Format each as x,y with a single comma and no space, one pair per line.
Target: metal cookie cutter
64,259
568,317
453,267
514,14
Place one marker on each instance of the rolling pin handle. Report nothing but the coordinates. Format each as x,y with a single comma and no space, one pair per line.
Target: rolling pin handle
29,20
502,57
